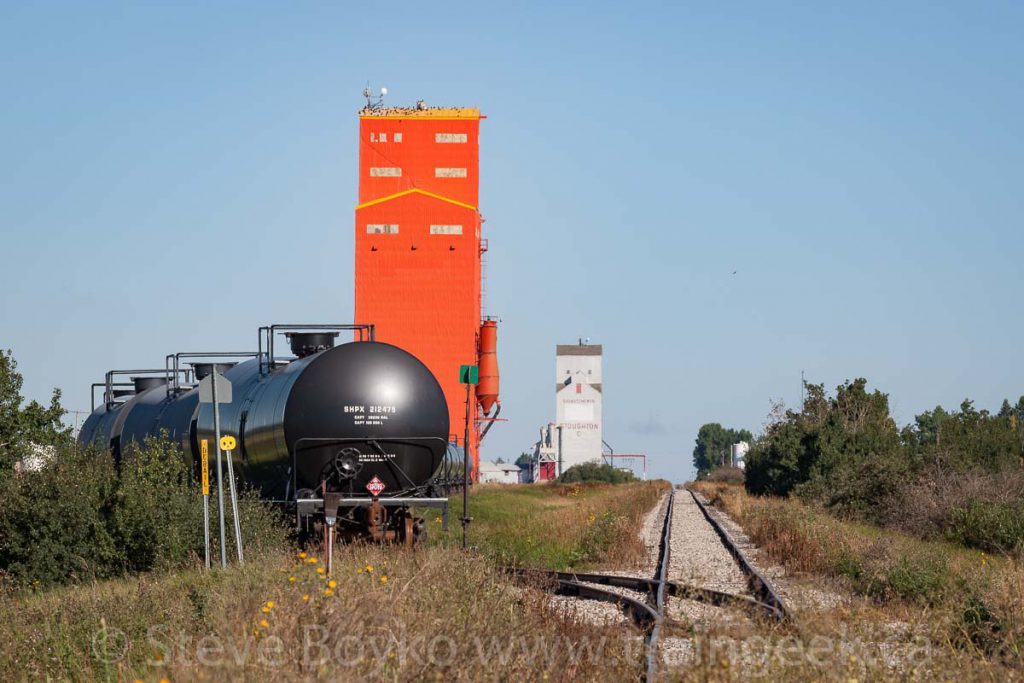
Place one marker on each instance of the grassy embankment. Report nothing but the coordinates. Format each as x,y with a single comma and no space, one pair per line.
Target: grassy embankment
562,527
969,604
435,614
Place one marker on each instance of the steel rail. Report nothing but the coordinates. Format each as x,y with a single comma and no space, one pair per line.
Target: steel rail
672,588
763,590
649,618
568,584
661,577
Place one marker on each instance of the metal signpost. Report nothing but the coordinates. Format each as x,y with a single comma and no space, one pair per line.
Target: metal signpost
227,444
204,450
208,394
468,375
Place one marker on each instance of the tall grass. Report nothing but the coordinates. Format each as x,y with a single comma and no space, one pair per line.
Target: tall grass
976,601
385,614
557,526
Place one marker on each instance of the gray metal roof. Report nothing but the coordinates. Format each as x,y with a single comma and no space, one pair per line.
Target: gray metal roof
578,349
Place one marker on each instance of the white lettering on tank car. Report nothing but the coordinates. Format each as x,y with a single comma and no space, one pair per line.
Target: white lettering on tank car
376,457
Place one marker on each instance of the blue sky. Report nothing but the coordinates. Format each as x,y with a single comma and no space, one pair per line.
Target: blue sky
176,174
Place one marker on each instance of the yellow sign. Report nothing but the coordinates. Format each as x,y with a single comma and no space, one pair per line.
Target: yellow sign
227,443
204,451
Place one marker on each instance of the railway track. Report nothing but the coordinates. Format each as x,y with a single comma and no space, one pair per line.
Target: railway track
650,615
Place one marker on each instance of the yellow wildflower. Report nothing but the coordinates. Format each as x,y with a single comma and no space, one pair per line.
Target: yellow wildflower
311,560
328,592
384,579
302,555
265,609
291,579
369,567
332,583
264,623
270,604
320,570
359,571
305,598
165,680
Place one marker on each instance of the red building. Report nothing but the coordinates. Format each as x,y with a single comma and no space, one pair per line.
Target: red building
418,243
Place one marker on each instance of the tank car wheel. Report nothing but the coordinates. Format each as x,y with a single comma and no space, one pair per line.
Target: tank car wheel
419,532
408,536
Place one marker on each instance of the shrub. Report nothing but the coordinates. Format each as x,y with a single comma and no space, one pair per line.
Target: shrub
727,475
920,580
977,507
82,518
593,471
54,523
995,527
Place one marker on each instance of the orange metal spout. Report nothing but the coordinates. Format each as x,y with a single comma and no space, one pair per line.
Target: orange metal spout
487,388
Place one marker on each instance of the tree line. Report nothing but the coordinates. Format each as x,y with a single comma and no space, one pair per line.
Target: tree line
953,474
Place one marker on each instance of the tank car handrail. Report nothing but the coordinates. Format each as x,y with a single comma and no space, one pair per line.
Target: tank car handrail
92,391
265,335
109,377
173,370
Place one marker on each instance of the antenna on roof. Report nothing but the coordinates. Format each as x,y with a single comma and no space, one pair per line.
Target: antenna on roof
374,101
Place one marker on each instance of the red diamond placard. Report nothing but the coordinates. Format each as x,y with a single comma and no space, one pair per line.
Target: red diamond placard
375,486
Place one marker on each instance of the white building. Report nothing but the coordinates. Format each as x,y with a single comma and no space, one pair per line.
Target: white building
498,473
578,403
576,435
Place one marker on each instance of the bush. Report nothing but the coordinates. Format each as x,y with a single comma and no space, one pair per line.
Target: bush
995,527
726,475
915,579
593,471
54,523
82,518
950,475
926,504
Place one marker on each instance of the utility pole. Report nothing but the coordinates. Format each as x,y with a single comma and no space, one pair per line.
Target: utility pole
465,475
468,375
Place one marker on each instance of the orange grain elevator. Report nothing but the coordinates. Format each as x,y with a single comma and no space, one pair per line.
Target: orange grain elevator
419,250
